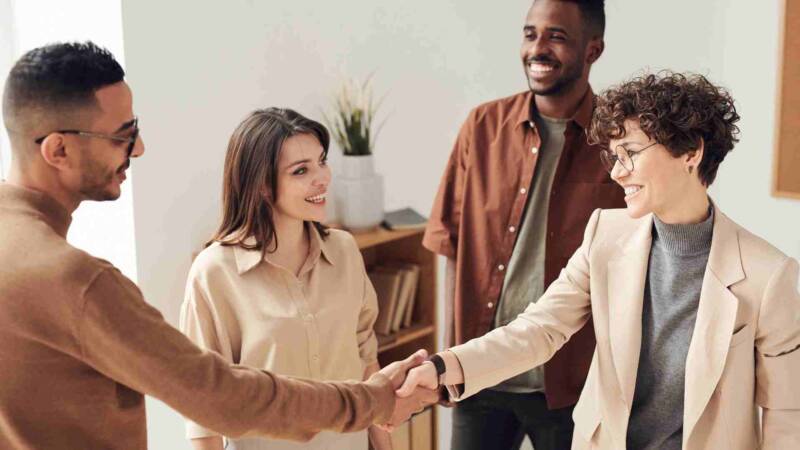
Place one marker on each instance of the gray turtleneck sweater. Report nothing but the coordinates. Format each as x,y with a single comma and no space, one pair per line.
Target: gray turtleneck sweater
678,259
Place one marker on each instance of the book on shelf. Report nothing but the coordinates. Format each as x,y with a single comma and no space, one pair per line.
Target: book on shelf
386,286
408,289
404,219
410,280
412,297
395,297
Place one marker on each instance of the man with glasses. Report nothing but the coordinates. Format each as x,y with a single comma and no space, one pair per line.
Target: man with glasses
515,198
79,346
131,128
96,186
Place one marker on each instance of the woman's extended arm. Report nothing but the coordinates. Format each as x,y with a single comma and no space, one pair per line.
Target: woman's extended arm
528,341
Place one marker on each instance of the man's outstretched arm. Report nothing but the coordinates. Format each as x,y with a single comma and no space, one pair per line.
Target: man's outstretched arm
127,340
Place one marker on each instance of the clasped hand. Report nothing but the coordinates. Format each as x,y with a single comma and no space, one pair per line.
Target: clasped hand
413,390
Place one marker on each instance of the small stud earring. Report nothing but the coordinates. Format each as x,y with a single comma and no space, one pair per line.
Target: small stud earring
691,168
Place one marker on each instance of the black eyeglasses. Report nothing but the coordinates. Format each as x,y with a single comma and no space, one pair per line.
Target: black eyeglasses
131,140
621,154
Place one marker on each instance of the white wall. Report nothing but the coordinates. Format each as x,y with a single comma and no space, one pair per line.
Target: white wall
750,57
6,60
652,34
197,68
196,71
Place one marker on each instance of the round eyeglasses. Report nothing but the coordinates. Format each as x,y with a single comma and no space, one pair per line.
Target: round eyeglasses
621,154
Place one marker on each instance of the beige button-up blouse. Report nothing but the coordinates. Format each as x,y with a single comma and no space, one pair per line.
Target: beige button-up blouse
318,325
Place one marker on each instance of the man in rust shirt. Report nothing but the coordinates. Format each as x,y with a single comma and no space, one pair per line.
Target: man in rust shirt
517,192
79,346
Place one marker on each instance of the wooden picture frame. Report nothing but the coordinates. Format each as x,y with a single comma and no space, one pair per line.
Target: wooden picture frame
786,162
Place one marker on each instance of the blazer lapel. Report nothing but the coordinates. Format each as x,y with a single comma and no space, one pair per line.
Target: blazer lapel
716,318
627,272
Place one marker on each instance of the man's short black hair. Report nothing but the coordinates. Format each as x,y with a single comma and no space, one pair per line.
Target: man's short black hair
594,15
55,79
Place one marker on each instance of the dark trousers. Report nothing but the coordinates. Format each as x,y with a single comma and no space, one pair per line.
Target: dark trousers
494,420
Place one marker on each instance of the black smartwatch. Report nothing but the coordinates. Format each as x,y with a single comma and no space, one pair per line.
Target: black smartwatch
438,363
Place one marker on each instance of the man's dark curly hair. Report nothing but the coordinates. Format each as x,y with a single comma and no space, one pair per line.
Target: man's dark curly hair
56,79
676,110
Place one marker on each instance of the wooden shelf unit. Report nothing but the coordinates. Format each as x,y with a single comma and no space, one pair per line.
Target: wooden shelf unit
383,245
404,336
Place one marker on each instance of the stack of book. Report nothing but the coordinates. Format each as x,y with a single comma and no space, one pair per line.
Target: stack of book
404,219
396,286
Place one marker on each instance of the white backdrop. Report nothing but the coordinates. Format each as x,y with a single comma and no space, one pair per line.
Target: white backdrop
197,68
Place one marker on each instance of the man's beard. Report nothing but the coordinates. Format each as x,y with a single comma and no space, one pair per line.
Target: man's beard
572,73
97,180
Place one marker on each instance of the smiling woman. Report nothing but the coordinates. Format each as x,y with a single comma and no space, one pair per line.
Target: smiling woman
269,146
682,112
697,320
274,289
688,124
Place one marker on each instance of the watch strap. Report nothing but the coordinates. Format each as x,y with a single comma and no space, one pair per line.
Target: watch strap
441,368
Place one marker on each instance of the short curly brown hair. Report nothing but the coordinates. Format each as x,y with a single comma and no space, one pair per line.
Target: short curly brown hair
676,110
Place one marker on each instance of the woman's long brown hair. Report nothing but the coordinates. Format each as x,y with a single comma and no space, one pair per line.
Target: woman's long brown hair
250,180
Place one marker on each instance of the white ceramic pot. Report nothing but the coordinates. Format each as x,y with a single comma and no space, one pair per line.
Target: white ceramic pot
358,193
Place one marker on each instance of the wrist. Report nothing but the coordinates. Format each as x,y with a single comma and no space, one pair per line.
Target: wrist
453,373
429,370
439,369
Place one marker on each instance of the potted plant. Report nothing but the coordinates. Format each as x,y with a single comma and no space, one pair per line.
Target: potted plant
357,189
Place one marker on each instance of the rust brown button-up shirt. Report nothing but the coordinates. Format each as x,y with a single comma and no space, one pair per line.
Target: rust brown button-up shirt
79,347
480,201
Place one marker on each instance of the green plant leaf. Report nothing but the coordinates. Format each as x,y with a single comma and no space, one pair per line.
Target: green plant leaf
352,121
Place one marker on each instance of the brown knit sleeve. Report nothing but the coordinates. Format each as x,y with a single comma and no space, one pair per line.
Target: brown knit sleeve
127,340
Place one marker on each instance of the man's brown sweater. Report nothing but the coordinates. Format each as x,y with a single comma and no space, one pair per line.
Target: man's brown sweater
79,347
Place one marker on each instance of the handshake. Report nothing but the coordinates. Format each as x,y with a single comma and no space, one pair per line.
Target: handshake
416,387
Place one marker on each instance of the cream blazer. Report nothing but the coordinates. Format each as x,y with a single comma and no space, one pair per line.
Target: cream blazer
742,353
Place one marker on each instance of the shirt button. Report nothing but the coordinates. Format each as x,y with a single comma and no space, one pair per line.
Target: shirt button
523,190
489,305
534,150
501,267
512,229
316,358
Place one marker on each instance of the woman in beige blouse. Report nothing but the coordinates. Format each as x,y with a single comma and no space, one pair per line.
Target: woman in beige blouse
274,289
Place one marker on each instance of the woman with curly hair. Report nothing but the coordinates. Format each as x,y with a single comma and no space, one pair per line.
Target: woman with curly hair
697,320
